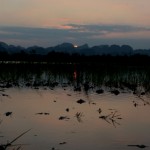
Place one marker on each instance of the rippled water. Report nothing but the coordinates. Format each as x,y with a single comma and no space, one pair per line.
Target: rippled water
105,121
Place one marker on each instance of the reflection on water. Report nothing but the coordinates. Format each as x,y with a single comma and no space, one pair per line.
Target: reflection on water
36,75
74,108
103,122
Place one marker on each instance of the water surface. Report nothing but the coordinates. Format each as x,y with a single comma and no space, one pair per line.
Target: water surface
105,121
73,107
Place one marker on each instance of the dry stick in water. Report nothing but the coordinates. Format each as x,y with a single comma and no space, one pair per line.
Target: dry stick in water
3,147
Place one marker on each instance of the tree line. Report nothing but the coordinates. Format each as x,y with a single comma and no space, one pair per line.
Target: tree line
62,57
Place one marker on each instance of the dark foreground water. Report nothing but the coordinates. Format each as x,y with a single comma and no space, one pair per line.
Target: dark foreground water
65,112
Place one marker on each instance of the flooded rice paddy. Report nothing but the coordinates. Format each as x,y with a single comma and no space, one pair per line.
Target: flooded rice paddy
69,112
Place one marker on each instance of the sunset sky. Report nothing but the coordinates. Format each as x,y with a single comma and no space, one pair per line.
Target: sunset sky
51,22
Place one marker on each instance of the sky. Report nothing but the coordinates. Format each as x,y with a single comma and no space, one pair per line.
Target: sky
95,22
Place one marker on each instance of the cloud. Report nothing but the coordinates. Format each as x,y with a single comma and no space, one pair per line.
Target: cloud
109,28
74,33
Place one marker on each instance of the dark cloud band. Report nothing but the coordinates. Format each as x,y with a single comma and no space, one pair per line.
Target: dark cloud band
76,34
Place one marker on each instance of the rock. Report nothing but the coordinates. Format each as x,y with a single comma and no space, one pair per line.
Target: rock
67,109
80,101
100,91
116,92
8,113
139,146
64,118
